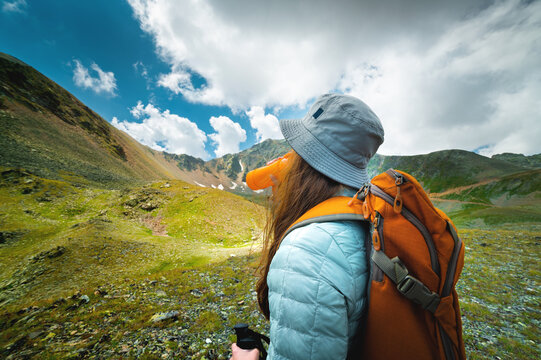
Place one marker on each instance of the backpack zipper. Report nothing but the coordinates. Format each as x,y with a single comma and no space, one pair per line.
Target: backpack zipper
417,223
399,178
451,268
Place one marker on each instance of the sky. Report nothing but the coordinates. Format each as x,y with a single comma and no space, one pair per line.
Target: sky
211,77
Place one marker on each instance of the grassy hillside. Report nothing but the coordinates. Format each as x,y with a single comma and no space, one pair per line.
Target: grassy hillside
511,199
55,237
532,161
442,170
45,129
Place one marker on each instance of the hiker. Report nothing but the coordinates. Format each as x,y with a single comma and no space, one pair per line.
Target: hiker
313,286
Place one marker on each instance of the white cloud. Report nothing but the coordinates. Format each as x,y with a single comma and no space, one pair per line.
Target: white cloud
17,6
266,125
478,84
440,74
104,82
228,136
164,131
141,69
175,81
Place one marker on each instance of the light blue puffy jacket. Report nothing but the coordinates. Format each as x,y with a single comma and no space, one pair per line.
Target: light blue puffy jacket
318,290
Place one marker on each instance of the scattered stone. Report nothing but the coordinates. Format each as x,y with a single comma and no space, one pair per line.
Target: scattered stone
34,334
50,254
196,292
153,282
164,316
6,236
208,341
84,299
100,292
149,206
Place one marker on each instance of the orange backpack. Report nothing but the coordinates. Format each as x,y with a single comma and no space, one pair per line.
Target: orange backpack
416,259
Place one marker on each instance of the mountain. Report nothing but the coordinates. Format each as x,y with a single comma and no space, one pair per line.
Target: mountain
229,171
446,169
46,130
532,161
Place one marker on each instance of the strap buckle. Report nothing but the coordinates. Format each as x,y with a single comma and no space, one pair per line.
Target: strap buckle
416,291
363,191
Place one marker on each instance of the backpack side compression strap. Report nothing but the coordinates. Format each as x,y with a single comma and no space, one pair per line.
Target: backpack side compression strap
407,285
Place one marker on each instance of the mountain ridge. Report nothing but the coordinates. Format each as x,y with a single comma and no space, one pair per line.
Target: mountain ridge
47,131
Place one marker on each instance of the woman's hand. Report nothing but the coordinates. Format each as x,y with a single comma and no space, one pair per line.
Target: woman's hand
241,354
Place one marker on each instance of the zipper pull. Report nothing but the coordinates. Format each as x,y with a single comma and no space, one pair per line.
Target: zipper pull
363,190
352,200
397,206
376,241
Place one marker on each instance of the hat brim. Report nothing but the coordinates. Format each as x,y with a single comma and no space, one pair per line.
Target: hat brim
320,157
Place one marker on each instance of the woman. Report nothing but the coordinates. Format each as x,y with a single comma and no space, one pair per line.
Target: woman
313,287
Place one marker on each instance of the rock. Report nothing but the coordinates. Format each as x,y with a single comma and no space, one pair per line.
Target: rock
50,254
84,299
164,316
149,206
132,202
161,293
34,334
196,292
100,292
153,282
208,341
6,236
59,301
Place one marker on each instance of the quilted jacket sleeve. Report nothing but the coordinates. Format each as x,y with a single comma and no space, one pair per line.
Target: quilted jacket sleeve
317,291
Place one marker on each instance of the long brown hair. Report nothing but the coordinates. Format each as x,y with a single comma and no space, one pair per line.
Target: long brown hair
301,189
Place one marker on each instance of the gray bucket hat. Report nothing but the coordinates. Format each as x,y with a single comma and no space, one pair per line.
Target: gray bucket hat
337,137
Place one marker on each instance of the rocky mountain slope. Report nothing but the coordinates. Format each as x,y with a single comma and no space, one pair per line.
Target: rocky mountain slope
46,130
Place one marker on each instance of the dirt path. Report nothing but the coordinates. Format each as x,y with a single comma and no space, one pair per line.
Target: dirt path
460,189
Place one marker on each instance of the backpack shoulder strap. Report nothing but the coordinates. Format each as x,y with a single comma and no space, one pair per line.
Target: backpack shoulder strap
332,209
